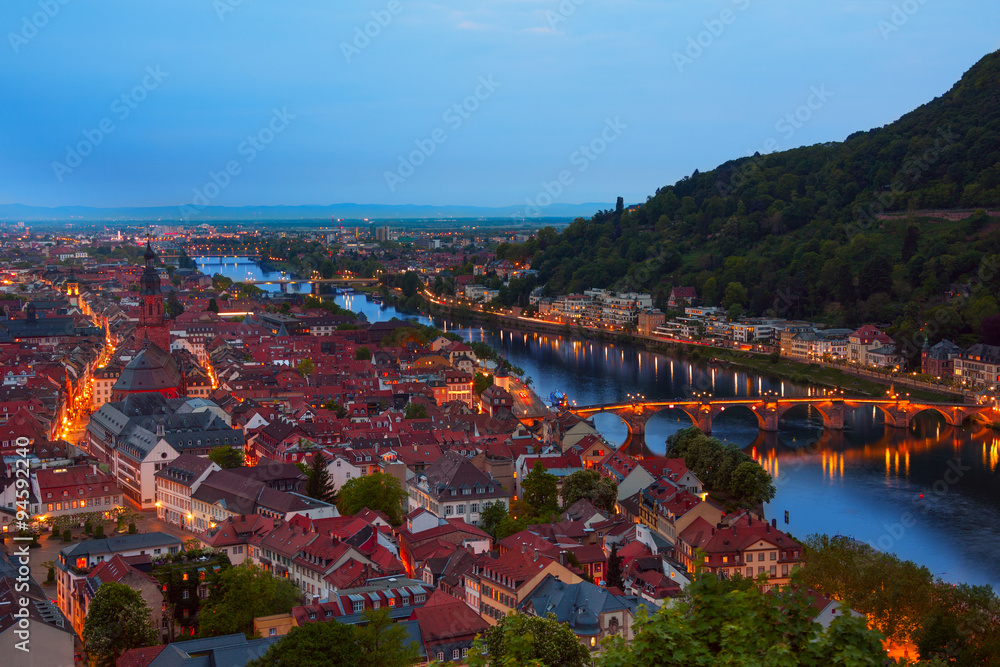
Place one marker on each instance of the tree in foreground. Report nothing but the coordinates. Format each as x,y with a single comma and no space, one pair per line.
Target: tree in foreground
383,642
962,627
718,625
318,482
321,644
242,594
377,491
519,640
117,620
227,457
600,491
894,594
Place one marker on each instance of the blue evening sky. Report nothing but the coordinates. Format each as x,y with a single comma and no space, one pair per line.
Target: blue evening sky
623,79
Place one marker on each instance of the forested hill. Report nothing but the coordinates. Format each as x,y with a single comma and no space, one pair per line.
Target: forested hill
799,232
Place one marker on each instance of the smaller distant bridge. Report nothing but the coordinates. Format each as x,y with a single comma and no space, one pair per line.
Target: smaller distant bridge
898,412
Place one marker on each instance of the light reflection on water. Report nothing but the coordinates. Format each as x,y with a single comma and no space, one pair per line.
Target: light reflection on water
864,481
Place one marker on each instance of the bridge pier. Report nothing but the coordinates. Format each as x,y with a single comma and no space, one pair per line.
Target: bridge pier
284,287
315,289
704,419
833,416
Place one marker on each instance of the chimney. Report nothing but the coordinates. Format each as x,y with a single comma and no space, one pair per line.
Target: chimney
768,528
93,467
536,555
160,432
563,558
315,599
774,523
524,547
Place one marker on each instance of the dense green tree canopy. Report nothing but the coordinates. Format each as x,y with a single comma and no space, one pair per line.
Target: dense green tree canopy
540,489
378,491
117,620
841,232
227,457
240,595
721,467
521,640
589,484
718,624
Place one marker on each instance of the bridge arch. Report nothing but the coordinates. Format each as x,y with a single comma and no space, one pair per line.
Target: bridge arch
673,411
723,411
785,409
951,419
620,419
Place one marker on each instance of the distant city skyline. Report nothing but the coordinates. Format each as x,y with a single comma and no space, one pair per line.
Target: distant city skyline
513,102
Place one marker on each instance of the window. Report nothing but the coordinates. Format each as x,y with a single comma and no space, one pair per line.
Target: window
465,653
359,606
454,654
460,509
272,632
774,555
50,504
185,594
447,510
466,492
440,656
774,570
376,604
474,507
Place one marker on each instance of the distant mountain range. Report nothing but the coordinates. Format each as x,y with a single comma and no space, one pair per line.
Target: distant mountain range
21,212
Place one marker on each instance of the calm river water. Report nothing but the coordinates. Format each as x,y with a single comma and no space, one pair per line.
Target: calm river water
864,482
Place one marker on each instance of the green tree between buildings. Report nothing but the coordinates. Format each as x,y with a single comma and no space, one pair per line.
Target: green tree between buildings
377,641
318,482
378,491
363,353
415,411
521,640
241,594
481,382
589,484
227,457
320,644
334,406
173,307
117,620
615,568
540,490
306,367
212,306
721,467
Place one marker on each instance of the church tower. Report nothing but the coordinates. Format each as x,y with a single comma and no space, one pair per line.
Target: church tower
152,325
149,288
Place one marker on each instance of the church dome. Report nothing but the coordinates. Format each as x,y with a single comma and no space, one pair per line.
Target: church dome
151,370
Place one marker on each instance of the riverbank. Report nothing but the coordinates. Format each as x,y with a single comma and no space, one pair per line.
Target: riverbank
784,368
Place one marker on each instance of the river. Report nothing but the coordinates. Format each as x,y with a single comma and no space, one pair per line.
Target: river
865,482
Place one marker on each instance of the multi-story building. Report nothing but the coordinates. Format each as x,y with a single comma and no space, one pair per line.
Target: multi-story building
649,319
747,546
76,490
76,561
175,484
868,337
979,366
939,360
452,487
502,584
145,432
590,611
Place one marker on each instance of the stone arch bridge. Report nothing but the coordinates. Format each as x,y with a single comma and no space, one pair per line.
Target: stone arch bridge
898,412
